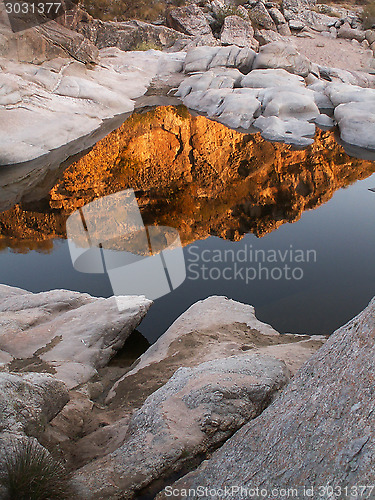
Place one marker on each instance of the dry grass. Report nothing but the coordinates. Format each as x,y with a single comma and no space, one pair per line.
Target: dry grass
32,474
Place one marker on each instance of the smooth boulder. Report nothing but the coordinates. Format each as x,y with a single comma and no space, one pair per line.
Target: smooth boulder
67,334
193,339
201,59
284,56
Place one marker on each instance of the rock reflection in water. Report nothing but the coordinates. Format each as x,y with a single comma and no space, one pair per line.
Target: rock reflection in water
189,173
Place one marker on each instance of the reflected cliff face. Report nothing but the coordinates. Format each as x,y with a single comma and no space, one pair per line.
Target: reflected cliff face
189,173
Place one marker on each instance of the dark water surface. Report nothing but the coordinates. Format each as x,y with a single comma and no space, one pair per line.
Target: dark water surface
230,195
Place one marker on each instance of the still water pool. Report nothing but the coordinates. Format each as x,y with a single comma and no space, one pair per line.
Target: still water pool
290,232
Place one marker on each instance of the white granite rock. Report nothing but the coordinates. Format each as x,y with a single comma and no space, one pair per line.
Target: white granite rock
201,59
208,101
282,55
190,340
69,334
62,100
239,109
287,104
356,121
264,78
345,93
324,121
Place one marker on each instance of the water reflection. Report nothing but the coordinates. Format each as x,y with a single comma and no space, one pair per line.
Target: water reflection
189,173
222,190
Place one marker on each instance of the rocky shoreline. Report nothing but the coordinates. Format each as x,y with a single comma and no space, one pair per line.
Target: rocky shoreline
65,81
221,399
217,364
218,370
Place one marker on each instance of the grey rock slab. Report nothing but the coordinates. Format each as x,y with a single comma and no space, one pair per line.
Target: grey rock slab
197,409
301,14
29,400
191,42
214,79
345,93
281,55
356,121
324,121
346,31
276,15
130,35
207,102
296,25
284,29
239,109
320,89
44,108
188,19
234,57
264,78
46,42
69,334
370,36
74,44
198,59
359,78
319,431
201,59
264,36
290,131
260,17
239,32
287,104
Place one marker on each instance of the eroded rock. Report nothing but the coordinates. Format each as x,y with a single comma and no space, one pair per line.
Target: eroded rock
193,339
260,17
189,20
63,100
67,334
131,35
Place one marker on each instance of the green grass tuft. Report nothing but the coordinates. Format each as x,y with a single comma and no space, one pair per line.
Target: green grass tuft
31,473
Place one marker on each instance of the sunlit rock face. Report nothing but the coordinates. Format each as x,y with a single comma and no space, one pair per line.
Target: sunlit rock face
193,174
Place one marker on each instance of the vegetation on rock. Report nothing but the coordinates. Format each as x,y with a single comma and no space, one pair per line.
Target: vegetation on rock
31,473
